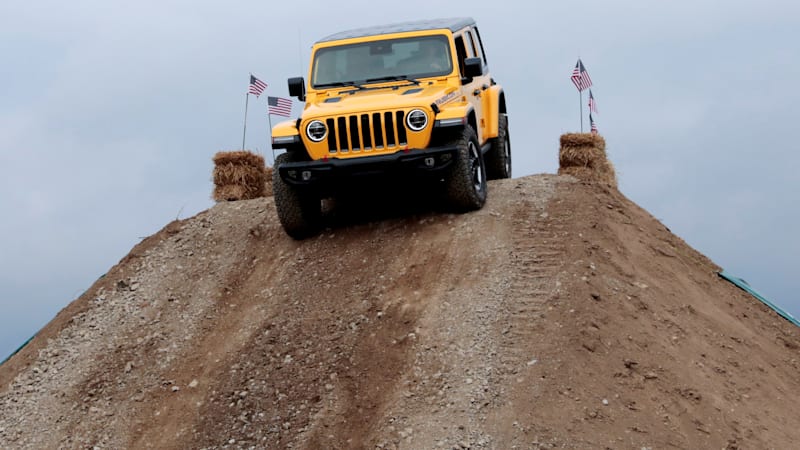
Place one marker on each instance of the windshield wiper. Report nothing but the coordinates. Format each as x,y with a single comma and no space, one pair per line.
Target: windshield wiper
340,84
394,78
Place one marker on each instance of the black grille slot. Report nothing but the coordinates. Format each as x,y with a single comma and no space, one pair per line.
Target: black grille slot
401,129
378,128
331,135
389,124
342,122
366,132
354,138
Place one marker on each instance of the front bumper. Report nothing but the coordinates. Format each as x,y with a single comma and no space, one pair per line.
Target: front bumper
413,163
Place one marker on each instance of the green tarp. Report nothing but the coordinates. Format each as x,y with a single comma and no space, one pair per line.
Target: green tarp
743,284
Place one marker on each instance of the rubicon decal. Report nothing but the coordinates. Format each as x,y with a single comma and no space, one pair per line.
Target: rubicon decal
447,98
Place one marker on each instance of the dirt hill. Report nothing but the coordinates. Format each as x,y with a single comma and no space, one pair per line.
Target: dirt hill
559,316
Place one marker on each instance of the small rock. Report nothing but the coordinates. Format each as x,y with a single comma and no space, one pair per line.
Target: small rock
650,376
243,394
605,402
328,387
193,384
175,389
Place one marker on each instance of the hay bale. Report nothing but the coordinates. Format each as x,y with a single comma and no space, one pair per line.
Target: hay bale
239,157
606,173
583,155
579,156
581,173
238,175
229,192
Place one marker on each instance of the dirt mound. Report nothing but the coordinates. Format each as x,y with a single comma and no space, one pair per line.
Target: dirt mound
559,316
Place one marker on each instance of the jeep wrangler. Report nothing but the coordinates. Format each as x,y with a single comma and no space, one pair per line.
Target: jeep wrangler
411,102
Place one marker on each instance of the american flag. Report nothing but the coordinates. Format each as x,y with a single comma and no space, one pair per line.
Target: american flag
594,125
580,77
256,86
592,103
280,106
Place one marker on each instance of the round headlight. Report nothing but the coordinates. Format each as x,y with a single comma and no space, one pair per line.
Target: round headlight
316,130
417,120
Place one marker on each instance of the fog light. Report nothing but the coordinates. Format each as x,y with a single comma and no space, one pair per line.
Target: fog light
306,175
292,173
429,161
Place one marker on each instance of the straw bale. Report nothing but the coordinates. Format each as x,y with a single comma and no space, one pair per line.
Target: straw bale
233,192
580,156
583,156
606,174
239,175
230,193
581,173
583,140
239,157
233,174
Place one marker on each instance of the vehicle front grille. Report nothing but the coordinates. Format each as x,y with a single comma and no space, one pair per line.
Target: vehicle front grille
366,132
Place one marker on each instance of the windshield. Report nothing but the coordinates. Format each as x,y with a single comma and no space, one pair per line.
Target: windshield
417,57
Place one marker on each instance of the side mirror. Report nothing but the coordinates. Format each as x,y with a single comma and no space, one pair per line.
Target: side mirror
297,88
473,67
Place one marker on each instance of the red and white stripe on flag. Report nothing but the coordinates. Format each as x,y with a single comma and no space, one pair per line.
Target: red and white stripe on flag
280,106
580,77
256,86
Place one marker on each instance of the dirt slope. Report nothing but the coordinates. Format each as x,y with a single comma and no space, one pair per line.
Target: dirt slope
559,316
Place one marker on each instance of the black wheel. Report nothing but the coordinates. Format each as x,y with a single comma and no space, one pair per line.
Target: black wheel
498,159
466,185
299,212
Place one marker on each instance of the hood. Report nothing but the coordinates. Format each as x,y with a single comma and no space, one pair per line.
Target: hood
341,102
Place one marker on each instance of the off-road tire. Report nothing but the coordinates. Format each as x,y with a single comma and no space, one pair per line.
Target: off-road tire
498,158
299,212
466,184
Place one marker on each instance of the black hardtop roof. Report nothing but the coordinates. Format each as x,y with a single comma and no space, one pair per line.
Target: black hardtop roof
453,24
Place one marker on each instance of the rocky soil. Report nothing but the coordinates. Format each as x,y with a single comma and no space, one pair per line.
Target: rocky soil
561,315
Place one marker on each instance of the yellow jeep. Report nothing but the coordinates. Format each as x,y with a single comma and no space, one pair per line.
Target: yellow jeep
410,102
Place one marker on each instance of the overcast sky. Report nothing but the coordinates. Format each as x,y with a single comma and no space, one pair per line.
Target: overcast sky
110,113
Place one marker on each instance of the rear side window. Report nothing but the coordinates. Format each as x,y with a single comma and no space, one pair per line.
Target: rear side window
471,43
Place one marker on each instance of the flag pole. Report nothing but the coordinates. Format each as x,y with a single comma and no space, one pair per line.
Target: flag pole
580,106
244,133
269,119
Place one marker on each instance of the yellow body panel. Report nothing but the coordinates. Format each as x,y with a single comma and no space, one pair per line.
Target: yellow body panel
284,129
